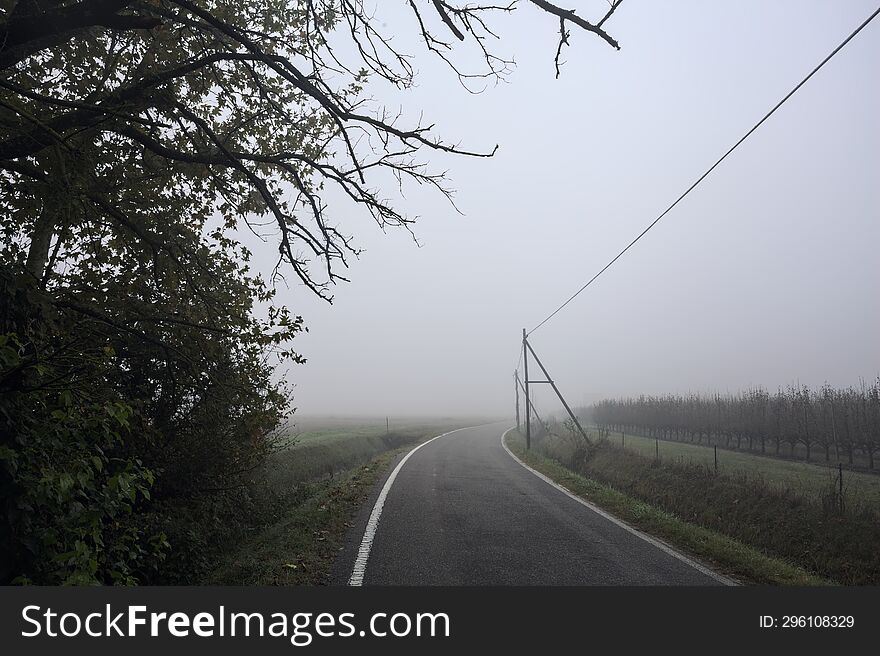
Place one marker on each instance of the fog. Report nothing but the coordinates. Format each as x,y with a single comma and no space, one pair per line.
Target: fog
767,274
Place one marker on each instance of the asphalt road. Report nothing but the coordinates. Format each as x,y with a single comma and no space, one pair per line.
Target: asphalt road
461,511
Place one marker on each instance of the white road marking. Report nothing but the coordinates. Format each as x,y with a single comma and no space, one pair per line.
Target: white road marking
611,518
360,563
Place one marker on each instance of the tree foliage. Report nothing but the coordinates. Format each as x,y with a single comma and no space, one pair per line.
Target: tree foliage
68,499
220,105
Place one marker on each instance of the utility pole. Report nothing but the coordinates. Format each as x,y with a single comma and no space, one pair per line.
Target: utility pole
528,408
555,389
516,386
534,409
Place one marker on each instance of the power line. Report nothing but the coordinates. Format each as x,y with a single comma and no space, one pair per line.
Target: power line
712,168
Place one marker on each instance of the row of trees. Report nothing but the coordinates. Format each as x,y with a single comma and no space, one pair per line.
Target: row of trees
845,422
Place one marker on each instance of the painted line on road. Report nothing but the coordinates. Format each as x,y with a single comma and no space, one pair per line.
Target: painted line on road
611,518
360,562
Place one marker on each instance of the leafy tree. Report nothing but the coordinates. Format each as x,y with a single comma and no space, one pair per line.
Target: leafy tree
137,139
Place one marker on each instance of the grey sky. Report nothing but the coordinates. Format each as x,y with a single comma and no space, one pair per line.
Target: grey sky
767,274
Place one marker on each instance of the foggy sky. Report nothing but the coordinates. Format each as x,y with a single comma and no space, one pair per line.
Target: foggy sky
766,275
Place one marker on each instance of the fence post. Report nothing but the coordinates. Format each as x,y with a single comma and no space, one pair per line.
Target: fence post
715,446
840,483
657,448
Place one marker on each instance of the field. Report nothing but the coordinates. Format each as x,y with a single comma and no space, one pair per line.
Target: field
811,479
318,447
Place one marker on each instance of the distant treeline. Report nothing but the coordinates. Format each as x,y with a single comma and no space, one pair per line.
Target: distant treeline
792,421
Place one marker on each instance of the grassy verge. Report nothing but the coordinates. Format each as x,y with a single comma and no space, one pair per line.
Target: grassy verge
724,553
307,496
300,547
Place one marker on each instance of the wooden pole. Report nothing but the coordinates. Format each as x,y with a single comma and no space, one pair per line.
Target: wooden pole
528,404
535,410
516,387
555,389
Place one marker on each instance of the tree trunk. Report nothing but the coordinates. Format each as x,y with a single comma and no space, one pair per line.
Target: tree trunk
41,240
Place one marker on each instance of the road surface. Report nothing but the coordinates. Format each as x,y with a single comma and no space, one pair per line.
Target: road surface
462,511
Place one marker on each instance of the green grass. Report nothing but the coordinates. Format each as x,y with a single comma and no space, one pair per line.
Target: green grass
308,493
318,447
860,489
309,430
721,552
